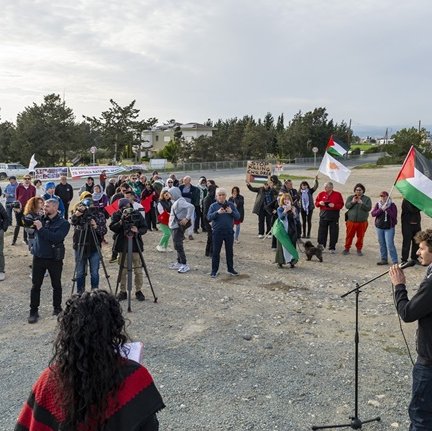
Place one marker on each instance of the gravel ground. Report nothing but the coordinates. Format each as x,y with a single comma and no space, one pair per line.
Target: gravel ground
272,349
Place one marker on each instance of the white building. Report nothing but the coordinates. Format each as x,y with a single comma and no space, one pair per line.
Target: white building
158,136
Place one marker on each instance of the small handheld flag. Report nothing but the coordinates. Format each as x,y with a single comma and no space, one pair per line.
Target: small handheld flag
335,148
334,169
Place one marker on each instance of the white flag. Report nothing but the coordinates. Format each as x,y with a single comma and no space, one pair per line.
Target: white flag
334,169
32,163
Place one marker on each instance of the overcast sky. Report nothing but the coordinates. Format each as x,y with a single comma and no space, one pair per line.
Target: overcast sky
365,60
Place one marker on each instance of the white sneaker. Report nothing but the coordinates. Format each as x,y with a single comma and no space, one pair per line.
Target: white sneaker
169,249
260,236
184,268
175,265
2,276
161,249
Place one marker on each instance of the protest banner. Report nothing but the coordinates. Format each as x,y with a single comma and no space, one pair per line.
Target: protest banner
50,173
90,171
258,171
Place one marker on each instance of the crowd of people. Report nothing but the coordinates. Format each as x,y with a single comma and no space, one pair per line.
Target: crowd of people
179,209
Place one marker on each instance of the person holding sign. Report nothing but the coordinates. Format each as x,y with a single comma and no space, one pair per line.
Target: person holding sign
265,196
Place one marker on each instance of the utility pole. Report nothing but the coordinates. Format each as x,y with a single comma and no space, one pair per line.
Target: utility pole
419,126
349,134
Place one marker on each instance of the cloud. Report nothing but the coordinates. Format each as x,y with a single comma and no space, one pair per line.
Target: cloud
192,60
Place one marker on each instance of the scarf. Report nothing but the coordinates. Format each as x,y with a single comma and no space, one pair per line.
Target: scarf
136,401
305,200
386,204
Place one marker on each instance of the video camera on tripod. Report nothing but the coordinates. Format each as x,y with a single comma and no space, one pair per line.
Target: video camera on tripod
85,207
130,217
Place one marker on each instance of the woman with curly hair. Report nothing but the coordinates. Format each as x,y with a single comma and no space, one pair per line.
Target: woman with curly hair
89,384
32,211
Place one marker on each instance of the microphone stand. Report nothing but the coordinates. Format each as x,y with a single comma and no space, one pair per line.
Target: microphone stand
356,423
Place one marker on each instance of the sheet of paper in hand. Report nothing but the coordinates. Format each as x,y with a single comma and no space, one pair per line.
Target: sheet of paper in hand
133,351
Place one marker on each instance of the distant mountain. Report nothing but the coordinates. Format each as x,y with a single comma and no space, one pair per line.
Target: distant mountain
379,131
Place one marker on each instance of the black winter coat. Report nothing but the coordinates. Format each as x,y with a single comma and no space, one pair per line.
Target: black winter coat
117,227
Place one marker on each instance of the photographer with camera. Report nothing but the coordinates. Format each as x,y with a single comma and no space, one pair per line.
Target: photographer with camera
89,229
48,254
127,222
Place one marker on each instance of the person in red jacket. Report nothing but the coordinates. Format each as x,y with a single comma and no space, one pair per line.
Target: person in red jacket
23,193
330,202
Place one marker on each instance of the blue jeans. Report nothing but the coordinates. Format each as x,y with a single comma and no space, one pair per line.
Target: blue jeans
420,408
218,239
386,243
81,269
236,231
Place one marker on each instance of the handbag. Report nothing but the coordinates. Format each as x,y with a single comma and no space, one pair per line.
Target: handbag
183,227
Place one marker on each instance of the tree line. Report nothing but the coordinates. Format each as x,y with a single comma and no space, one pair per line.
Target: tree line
52,132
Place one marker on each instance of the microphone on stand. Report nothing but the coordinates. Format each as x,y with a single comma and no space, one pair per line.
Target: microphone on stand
401,266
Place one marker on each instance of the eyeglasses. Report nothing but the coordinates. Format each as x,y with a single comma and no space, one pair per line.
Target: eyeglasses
27,178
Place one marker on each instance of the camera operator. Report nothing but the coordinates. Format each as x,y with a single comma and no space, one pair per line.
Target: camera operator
48,254
85,244
127,221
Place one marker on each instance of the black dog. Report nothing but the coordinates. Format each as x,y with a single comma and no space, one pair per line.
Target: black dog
311,250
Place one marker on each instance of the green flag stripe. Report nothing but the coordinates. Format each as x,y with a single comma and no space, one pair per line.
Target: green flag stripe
415,196
278,231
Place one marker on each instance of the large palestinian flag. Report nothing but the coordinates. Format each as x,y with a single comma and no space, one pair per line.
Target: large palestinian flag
335,148
414,181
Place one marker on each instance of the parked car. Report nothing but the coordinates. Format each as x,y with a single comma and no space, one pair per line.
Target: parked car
8,169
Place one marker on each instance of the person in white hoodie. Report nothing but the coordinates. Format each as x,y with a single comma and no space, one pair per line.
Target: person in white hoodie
181,214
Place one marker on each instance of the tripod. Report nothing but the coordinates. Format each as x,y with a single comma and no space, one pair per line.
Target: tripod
127,251
82,241
355,423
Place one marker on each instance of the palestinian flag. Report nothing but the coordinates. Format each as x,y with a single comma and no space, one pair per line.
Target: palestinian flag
290,252
335,148
414,181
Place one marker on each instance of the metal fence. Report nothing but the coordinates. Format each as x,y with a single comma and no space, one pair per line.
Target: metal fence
301,161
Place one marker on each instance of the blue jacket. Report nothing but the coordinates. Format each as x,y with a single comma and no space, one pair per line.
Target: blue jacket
9,192
53,232
222,222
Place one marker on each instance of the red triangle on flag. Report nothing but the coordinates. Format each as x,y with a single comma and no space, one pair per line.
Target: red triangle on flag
111,209
407,170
